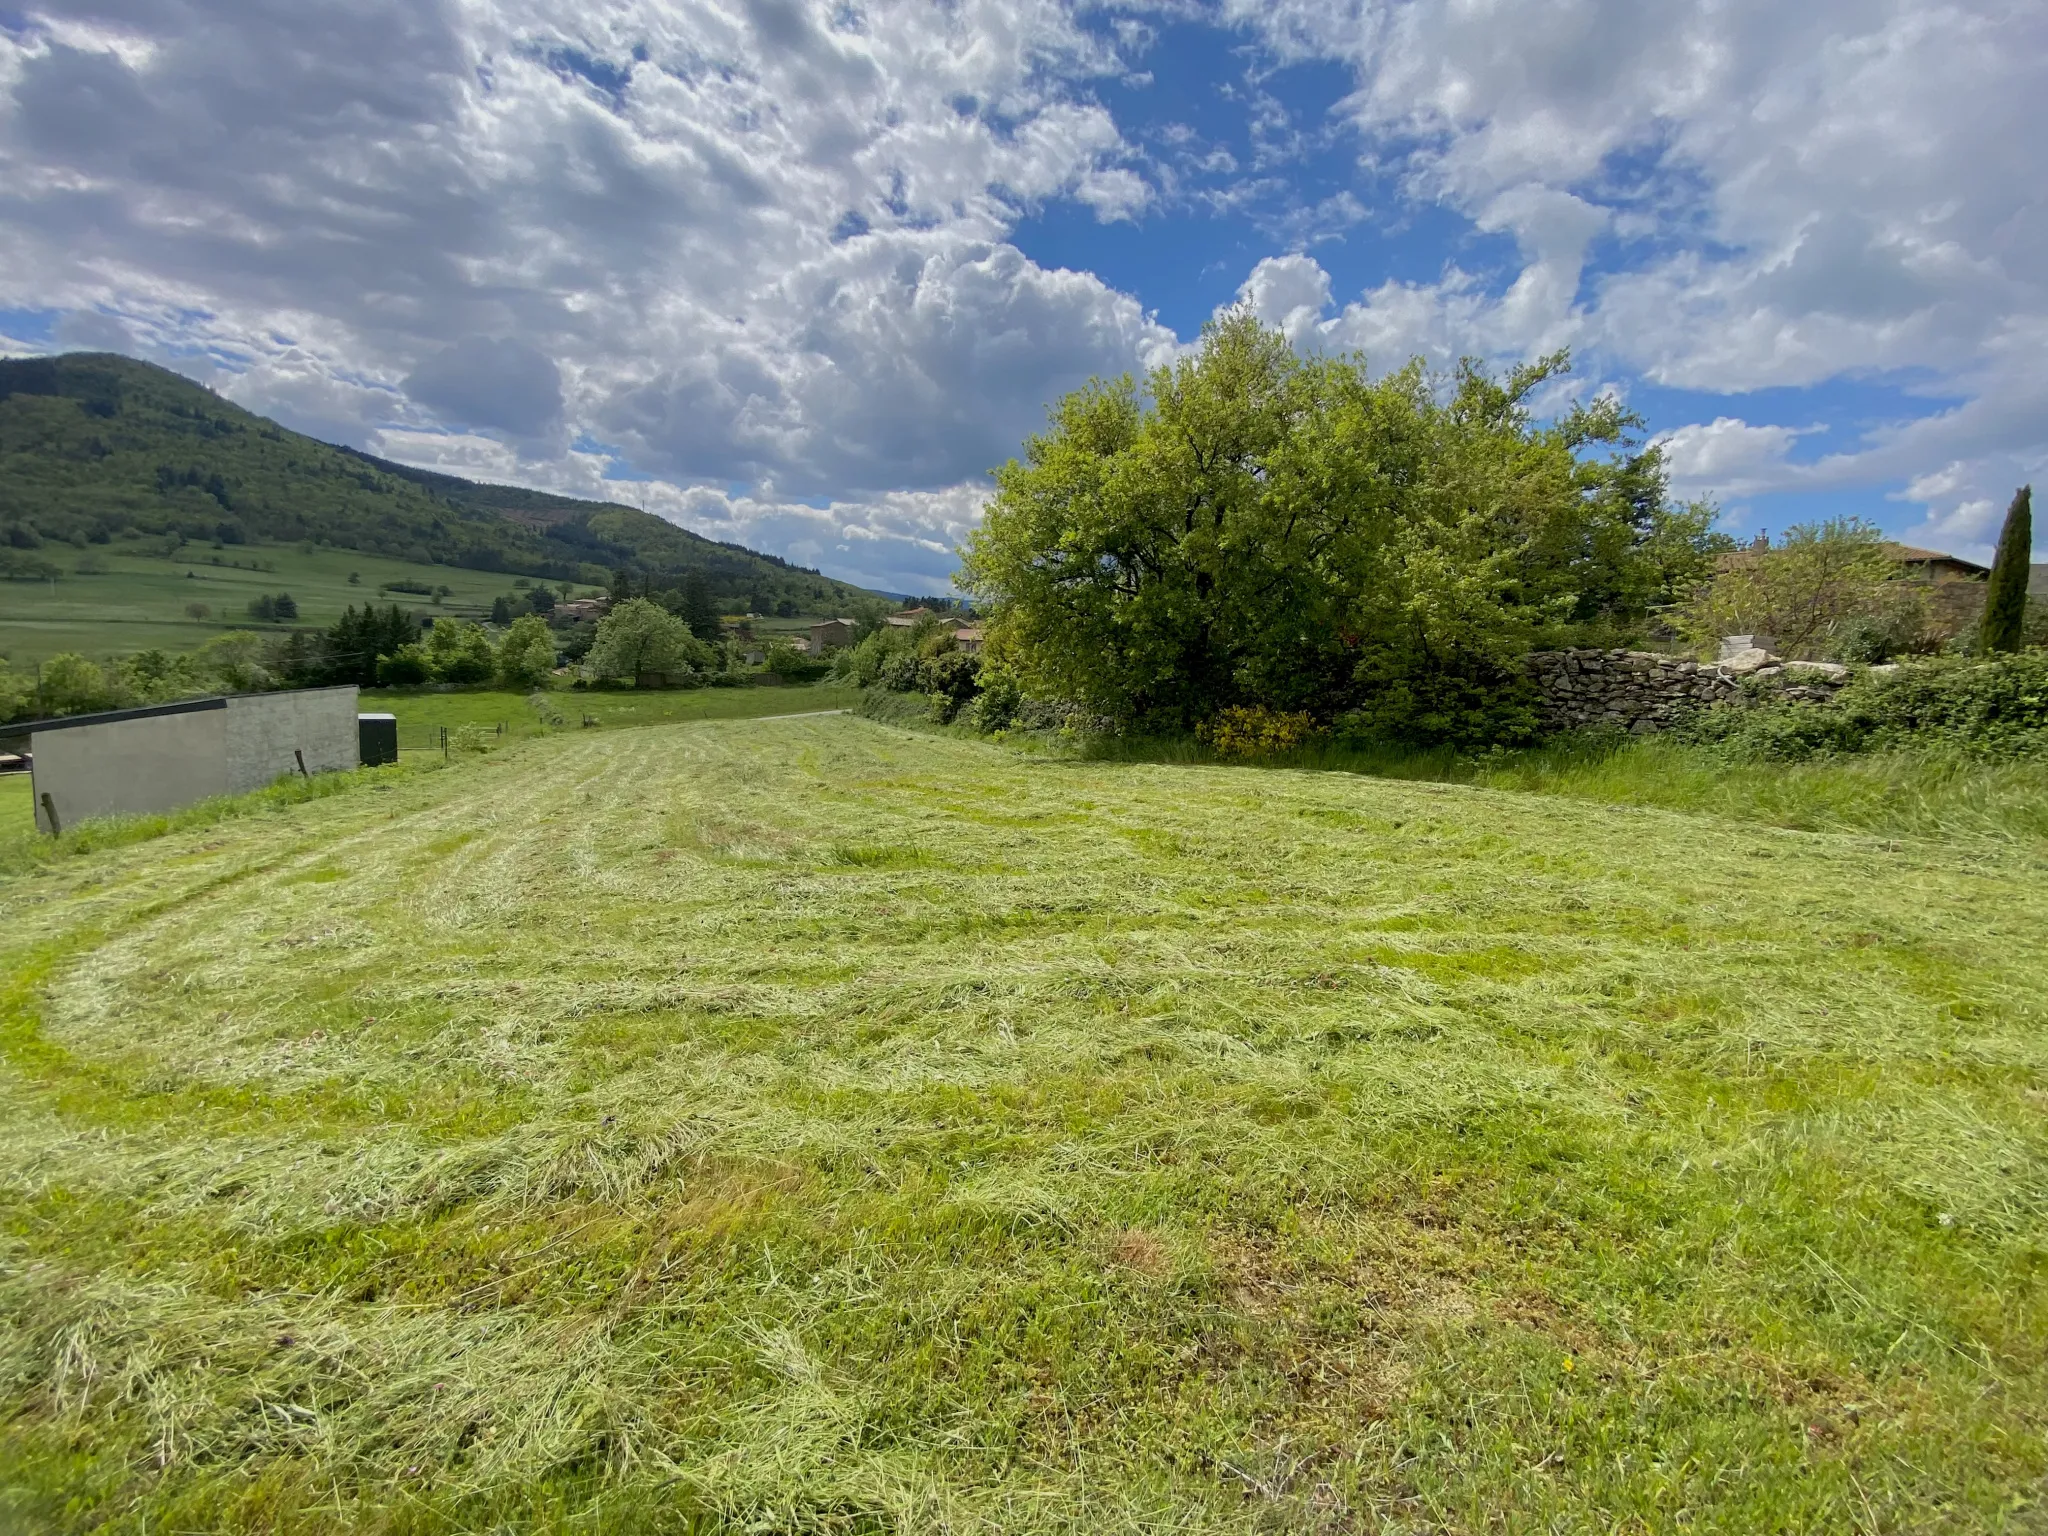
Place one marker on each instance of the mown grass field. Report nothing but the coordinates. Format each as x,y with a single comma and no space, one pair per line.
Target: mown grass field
139,600
423,712
803,1125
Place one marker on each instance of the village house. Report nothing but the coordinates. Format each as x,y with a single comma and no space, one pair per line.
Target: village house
1932,565
832,633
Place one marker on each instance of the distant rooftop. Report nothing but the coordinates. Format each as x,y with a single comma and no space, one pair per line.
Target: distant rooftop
1914,556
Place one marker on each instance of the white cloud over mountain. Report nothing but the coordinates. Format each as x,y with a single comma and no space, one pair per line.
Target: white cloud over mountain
760,249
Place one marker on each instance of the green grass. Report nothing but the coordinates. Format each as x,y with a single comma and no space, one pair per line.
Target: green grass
420,713
17,802
1930,793
139,602
803,1125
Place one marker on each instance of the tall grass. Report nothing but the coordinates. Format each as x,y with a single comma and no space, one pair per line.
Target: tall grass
1934,792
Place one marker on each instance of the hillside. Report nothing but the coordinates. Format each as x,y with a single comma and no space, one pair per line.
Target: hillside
96,449
798,1125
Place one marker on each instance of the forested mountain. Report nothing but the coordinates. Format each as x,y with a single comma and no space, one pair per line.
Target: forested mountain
96,447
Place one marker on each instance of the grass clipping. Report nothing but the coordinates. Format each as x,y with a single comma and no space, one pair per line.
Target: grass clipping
804,1125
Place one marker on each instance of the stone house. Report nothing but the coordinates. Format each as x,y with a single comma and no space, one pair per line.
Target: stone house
832,633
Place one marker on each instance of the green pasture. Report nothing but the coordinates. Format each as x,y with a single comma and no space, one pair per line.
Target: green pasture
803,1125
569,709
139,601
17,803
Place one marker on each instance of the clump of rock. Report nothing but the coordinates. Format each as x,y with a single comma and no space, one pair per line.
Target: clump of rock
1641,691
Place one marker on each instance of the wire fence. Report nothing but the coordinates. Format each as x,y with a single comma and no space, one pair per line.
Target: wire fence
419,738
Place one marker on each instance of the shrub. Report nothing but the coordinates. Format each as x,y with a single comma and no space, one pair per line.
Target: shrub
473,738
1825,589
17,693
862,662
999,703
527,656
1259,528
1252,730
952,678
1995,707
793,665
460,653
406,667
71,685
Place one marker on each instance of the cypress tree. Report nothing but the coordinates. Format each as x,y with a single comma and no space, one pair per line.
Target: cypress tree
2005,605
698,610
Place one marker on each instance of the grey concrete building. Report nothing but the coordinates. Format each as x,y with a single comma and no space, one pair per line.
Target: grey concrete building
127,762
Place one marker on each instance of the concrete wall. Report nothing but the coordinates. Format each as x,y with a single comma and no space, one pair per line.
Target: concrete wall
130,767
163,759
265,729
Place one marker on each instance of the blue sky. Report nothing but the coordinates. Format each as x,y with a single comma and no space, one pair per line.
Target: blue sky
798,274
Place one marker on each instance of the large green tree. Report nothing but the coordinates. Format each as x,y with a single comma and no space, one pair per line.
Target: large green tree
1257,527
527,655
638,638
2005,604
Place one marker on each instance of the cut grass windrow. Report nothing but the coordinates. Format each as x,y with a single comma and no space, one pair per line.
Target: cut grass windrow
803,1125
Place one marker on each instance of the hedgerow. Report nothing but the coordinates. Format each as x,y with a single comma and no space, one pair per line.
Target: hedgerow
1993,707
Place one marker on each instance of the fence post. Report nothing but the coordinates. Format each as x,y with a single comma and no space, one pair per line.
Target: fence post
444,743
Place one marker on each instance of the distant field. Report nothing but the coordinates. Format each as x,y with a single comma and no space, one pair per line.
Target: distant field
626,707
140,601
807,1126
17,805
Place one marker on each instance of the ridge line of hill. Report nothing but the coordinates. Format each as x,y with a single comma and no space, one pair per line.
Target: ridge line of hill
95,447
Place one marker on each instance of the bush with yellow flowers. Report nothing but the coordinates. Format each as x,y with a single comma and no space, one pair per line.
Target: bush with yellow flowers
1253,730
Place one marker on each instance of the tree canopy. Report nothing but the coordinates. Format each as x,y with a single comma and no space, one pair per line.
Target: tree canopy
1255,527
639,637
1826,589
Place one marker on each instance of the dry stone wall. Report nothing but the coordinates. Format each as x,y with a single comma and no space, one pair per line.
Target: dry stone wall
1640,691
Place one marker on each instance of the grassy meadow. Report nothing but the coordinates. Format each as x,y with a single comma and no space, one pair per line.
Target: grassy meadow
605,707
138,601
803,1125
1928,792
